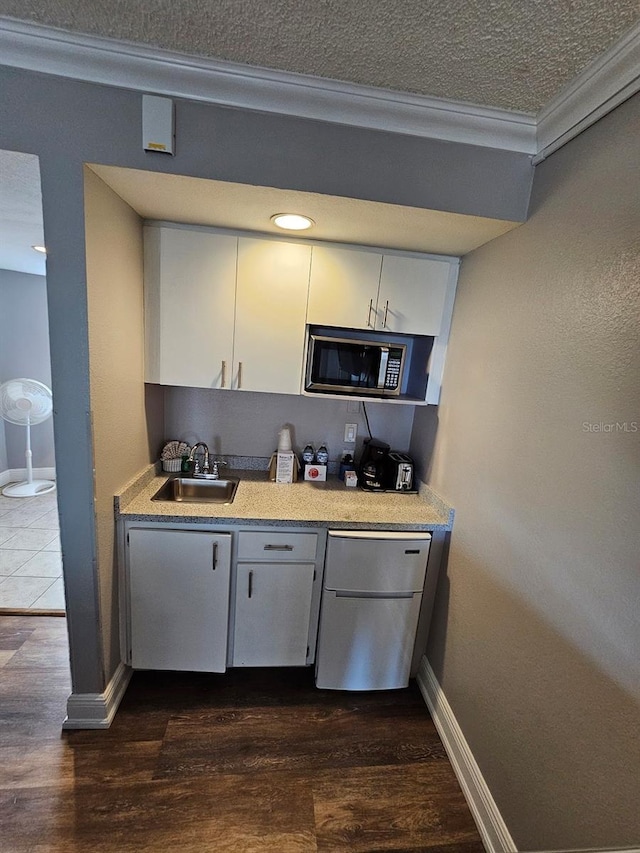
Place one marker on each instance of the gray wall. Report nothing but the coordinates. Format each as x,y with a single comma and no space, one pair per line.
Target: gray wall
67,123
24,353
247,424
536,636
4,465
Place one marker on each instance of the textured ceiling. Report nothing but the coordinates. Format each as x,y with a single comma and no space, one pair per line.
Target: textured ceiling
514,54
20,213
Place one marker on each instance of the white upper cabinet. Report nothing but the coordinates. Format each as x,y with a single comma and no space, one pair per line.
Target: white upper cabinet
190,284
271,304
356,289
223,311
412,295
226,311
343,289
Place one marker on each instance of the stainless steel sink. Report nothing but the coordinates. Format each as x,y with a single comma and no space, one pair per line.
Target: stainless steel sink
190,490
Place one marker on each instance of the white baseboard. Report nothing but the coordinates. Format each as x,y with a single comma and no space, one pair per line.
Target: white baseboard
492,828
97,710
17,475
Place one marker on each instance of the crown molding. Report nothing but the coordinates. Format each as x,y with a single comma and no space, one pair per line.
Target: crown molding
93,59
600,88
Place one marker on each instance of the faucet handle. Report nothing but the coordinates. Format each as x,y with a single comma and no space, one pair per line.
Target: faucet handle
215,463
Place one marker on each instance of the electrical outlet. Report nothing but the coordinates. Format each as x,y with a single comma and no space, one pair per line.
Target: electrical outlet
350,433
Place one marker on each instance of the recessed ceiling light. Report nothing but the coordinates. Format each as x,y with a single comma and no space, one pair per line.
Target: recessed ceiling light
41,249
292,221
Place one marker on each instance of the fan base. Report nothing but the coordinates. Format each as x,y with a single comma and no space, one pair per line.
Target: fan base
29,490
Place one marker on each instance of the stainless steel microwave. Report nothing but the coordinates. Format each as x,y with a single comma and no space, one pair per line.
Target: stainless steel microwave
354,366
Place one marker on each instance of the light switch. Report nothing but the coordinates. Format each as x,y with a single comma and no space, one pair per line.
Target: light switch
350,433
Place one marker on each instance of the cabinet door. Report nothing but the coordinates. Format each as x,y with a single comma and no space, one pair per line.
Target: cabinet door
273,608
343,288
190,283
179,599
412,295
271,303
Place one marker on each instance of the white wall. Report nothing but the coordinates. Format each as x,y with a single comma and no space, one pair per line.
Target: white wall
115,306
536,635
245,423
24,353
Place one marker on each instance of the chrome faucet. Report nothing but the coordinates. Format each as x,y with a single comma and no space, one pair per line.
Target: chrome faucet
193,457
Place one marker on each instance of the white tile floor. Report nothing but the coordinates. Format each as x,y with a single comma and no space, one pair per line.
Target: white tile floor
30,558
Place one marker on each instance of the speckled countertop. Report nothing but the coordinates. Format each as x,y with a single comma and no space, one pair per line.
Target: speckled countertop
302,504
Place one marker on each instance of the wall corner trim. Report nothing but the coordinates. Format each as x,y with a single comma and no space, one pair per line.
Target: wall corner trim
97,710
492,828
93,59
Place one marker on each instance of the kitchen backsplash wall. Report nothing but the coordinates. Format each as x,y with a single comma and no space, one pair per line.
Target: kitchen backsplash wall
245,423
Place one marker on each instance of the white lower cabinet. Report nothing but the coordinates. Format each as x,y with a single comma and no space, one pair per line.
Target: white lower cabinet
277,598
272,613
188,607
178,584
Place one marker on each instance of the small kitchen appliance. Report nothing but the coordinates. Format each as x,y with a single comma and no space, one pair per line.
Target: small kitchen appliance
385,470
398,476
373,465
363,366
373,584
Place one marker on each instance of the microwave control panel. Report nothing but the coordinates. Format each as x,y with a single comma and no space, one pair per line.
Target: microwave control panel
392,377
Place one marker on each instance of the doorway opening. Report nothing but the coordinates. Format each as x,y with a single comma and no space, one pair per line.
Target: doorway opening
31,581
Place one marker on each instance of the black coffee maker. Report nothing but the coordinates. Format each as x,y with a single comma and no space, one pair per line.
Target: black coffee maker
371,474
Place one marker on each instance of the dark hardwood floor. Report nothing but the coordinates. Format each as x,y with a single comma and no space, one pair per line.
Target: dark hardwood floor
253,760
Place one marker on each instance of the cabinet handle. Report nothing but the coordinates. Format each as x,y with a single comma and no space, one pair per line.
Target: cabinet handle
223,378
278,547
250,590
369,314
214,556
386,311
239,374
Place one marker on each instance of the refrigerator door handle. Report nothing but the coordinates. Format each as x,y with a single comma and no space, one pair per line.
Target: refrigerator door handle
342,593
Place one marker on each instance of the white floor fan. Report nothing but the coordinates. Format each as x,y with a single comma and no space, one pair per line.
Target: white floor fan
26,402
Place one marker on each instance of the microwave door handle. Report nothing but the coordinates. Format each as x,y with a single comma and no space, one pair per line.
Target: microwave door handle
382,373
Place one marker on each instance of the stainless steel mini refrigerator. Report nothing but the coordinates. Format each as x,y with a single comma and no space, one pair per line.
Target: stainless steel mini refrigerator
370,606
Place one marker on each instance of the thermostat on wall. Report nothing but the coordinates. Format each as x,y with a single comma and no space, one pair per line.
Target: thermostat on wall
158,124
